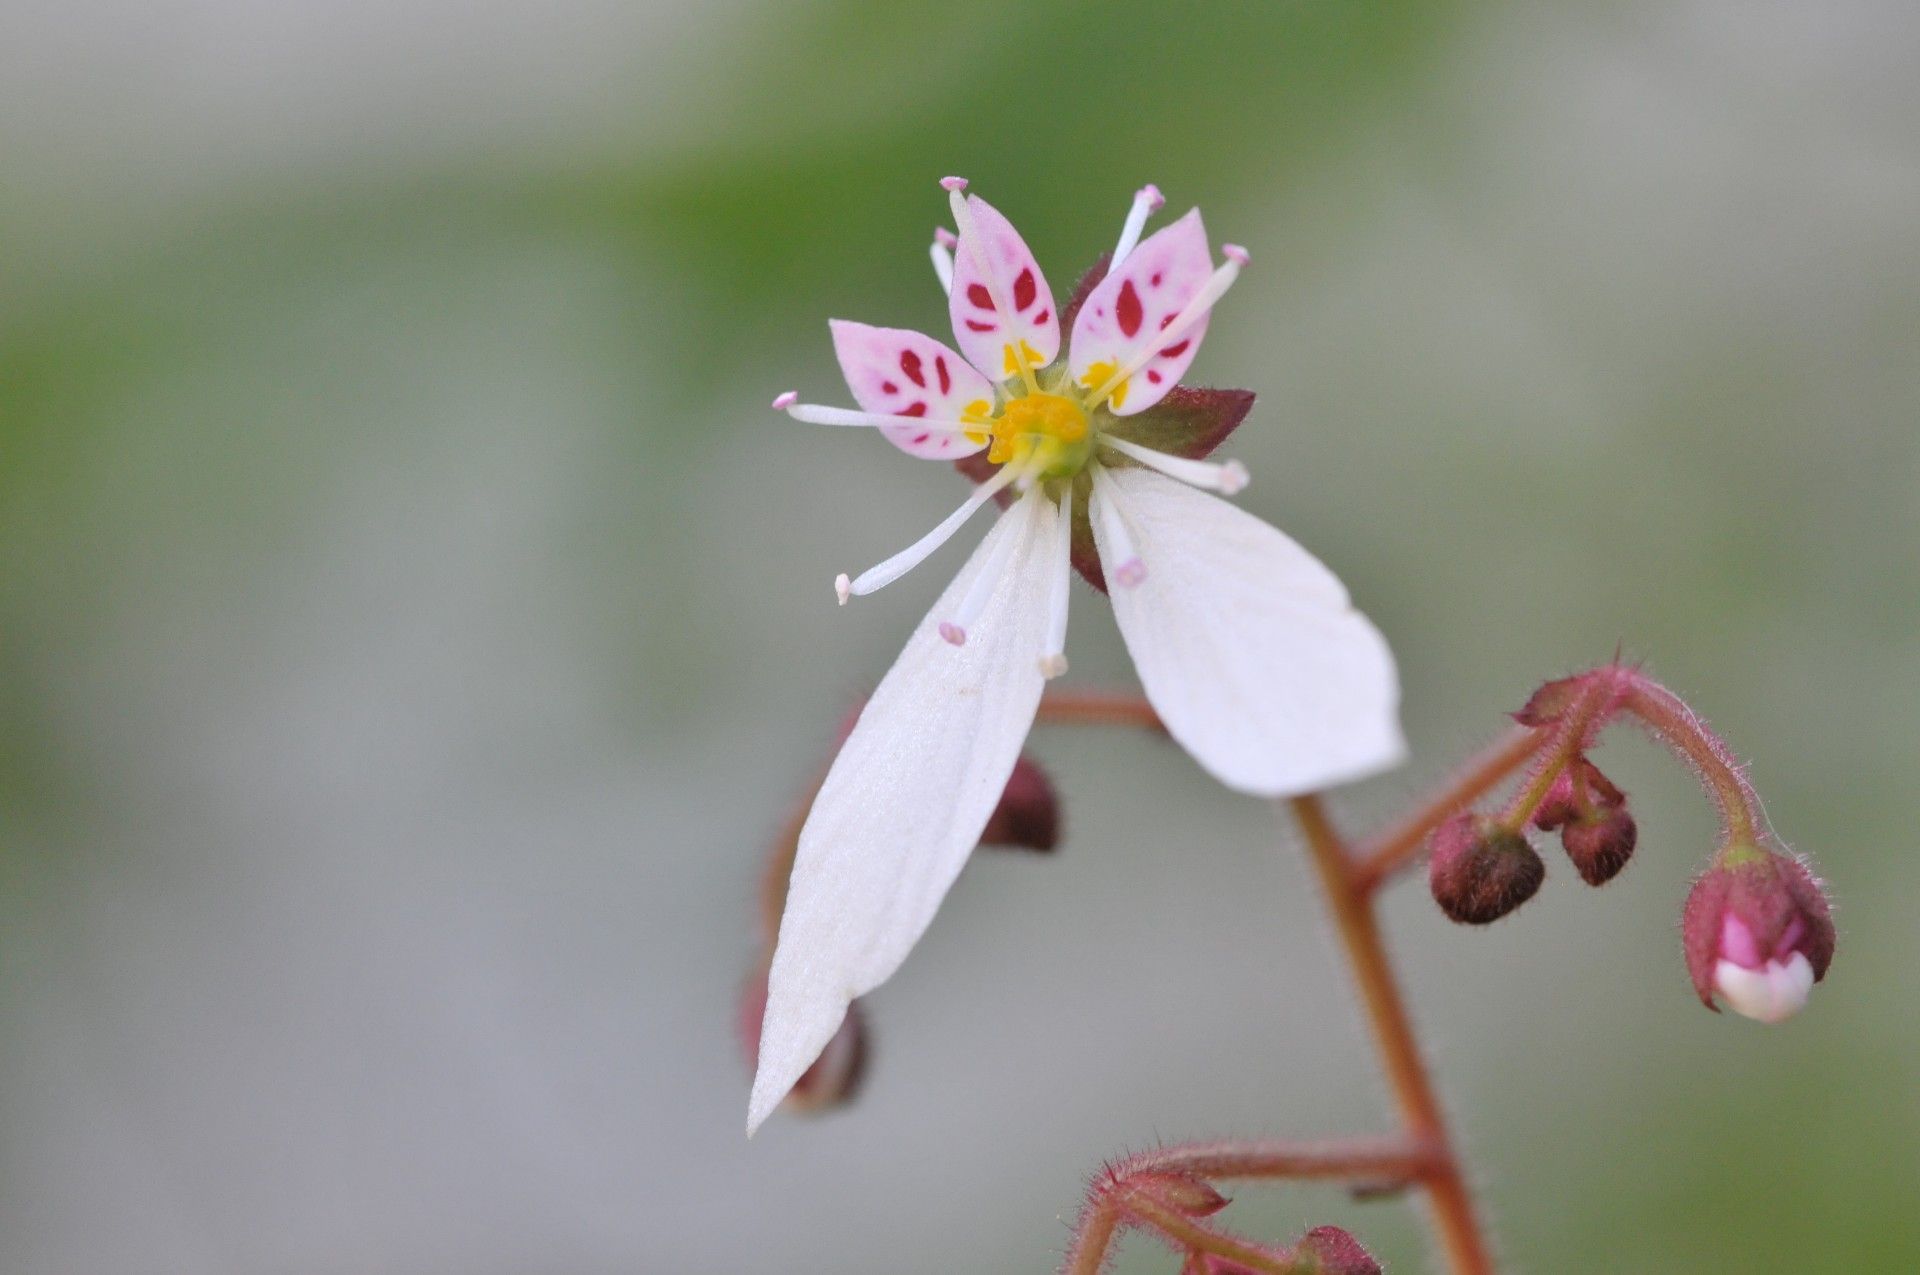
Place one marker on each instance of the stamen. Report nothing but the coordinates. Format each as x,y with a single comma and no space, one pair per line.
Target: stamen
1127,571
981,590
1214,288
817,414
1146,201
885,573
1227,477
1053,659
942,254
970,240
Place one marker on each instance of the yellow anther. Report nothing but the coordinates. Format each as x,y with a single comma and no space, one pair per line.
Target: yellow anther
1021,362
1099,374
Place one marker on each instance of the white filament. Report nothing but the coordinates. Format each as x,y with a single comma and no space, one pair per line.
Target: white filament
1145,201
1053,660
885,573
981,591
1122,565
942,264
817,414
1227,477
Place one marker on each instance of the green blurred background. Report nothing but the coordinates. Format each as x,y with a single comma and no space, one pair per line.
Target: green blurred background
413,624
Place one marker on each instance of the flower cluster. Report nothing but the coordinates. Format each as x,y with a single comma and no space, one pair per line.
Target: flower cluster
1247,647
1757,928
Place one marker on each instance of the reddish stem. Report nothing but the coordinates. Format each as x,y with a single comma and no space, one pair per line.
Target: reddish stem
1466,1247
1670,721
1113,1200
1400,845
1098,708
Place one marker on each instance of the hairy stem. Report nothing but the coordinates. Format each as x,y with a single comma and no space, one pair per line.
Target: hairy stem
1190,1236
1677,726
1400,845
1381,1162
1460,1234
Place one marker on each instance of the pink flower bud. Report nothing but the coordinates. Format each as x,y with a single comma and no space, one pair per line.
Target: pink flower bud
1028,816
1335,1252
1481,870
835,1076
1757,930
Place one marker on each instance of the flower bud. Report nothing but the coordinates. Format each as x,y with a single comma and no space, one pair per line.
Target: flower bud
1181,1192
1336,1253
1758,930
835,1076
1028,816
1600,846
1481,870
1598,833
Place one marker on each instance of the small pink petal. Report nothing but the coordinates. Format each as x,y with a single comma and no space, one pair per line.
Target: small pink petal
1126,312
997,271
899,372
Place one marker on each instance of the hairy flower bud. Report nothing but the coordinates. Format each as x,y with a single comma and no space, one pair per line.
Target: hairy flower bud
1328,1250
1601,845
1598,833
835,1076
1481,870
1028,816
1758,930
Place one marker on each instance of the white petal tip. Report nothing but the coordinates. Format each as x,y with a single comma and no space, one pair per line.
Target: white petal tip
1771,994
952,633
953,183
784,401
1052,666
1155,200
1233,478
1130,574
842,588
1235,253
945,238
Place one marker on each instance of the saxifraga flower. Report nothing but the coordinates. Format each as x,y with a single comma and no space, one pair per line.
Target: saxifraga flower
1246,645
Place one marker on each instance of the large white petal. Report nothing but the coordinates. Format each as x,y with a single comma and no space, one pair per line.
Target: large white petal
906,800
1246,644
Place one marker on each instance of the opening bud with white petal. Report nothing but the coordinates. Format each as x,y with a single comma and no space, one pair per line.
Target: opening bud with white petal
1480,869
1758,931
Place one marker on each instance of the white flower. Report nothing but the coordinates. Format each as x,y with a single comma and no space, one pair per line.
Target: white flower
1247,647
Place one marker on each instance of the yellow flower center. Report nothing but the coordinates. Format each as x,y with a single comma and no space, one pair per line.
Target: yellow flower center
1046,433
